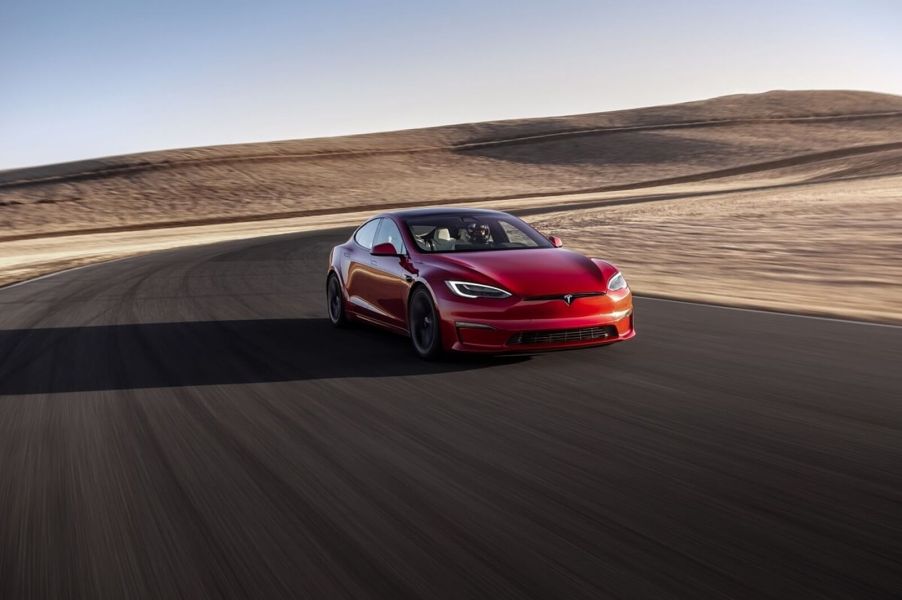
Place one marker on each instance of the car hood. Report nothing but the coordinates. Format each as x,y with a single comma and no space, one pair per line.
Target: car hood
534,272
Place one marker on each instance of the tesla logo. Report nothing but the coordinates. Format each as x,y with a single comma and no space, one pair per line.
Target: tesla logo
568,298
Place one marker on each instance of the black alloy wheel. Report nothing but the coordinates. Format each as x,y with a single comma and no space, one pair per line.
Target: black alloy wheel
423,324
335,302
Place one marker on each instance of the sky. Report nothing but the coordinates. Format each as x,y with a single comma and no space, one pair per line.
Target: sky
89,78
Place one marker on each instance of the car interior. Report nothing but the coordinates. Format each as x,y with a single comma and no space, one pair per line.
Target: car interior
462,235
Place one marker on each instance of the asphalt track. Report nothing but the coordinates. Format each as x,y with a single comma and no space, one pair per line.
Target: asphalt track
187,425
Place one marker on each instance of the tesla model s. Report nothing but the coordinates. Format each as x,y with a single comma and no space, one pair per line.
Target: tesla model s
470,280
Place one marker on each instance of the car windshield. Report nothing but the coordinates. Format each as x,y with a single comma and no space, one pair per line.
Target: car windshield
473,233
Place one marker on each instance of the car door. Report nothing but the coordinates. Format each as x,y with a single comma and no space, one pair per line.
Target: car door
388,280
358,279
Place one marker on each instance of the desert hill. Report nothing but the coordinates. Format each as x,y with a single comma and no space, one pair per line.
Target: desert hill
817,134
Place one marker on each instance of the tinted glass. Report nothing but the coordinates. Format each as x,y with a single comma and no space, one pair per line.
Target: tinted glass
389,234
473,233
364,236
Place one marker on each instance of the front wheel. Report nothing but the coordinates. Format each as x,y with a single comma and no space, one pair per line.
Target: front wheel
423,324
335,302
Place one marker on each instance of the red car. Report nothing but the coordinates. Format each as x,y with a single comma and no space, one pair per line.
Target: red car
470,280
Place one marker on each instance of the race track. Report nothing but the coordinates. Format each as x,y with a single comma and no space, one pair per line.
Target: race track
186,424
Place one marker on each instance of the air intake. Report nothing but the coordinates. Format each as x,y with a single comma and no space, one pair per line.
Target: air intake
563,336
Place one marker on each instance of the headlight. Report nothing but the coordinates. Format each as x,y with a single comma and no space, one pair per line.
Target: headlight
475,290
617,282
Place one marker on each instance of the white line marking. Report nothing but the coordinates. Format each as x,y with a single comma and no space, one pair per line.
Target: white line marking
69,270
770,312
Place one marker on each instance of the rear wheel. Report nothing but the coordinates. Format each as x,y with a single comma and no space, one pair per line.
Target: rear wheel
335,302
423,324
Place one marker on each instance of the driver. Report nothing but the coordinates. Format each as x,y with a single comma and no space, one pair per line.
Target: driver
479,233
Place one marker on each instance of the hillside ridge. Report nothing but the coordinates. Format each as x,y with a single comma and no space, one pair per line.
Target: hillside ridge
775,105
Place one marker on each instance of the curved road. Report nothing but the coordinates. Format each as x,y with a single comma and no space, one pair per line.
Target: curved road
187,425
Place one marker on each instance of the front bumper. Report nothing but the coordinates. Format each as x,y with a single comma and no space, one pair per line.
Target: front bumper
537,335
526,325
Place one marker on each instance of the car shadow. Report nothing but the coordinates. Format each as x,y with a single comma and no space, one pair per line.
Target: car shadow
120,357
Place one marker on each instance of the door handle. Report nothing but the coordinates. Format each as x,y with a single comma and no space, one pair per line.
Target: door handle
373,262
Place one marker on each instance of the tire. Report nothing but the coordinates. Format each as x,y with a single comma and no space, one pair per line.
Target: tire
424,325
335,304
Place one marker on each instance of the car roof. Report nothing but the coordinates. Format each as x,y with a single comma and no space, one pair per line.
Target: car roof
439,210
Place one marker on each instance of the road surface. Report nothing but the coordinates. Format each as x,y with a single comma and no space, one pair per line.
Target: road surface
187,425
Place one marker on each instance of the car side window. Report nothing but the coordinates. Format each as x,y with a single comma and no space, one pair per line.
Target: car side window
389,234
364,236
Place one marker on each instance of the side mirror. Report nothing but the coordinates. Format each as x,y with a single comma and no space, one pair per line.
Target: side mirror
384,249
555,241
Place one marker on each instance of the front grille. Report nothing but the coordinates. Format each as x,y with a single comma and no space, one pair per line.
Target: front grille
559,336
573,296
